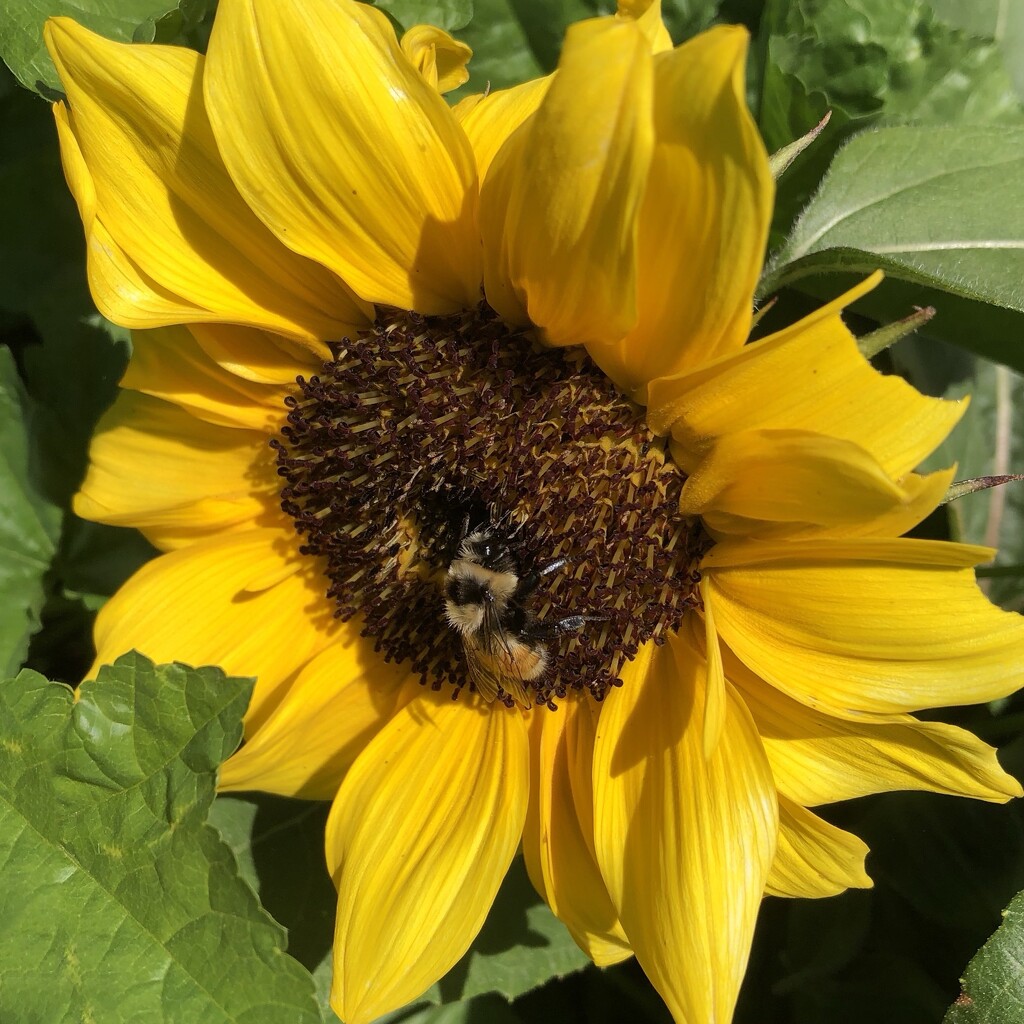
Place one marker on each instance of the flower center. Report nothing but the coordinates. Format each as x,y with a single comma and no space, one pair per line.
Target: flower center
432,443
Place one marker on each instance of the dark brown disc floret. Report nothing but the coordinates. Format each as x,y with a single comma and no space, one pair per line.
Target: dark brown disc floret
422,423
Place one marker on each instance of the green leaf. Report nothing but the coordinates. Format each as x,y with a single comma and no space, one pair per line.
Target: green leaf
119,902
279,844
446,14
21,31
866,60
481,1010
29,525
979,845
187,24
92,562
685,18
73,373
514,40
993,984
981,17
936,207
42,232
95,559
1002,21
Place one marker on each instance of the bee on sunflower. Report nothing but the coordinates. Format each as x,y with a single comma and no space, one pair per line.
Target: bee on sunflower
446,422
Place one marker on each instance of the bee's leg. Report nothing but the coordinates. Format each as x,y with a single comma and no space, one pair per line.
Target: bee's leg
528,584
570,624
554,566
550,630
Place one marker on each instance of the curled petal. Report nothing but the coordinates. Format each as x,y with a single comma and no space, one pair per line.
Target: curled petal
813,857
439,58
247,602
817,758
647,14
771,483
704,221
809,377
259,356
489,120
174,477
168,363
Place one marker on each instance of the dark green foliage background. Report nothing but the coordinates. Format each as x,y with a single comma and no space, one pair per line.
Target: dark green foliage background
920,170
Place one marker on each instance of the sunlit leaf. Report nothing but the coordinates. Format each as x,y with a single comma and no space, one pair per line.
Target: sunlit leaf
937,208
869,61
119,902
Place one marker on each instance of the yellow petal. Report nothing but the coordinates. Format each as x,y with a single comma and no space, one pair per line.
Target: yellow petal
865,627
704,221
440,59
122,291
559,861
489,120
344,151
145,140
580,741
560,202
168,363
647,13
259,356
714,699
908,551
815,858
808,377
419,838
337,703
204,605
176,478
684,841
920,495
817,758
770,483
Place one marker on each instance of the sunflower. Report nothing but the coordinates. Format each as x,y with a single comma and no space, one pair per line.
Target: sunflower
361,315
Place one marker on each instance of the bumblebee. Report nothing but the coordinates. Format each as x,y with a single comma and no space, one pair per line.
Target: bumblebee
486,590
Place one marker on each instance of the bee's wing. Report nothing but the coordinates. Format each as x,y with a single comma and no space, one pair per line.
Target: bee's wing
514,686
483,665
484,677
